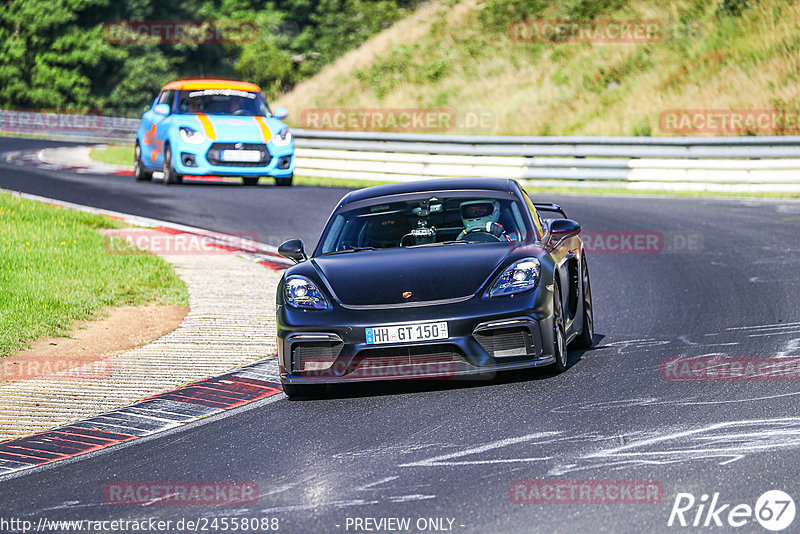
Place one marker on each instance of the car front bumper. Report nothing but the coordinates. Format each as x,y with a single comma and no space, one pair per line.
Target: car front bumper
281,161
484,337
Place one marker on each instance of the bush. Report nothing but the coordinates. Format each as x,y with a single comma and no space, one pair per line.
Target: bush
732,8
496,15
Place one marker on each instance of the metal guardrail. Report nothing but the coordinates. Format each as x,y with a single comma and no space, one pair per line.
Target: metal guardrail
580,160
765,160
407,166
552,146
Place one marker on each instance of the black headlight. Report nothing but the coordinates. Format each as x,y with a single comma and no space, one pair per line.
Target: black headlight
520,276
301,293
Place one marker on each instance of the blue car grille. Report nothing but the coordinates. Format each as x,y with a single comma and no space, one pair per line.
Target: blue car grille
214,154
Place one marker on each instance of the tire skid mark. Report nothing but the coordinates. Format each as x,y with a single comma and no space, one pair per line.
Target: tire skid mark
723,443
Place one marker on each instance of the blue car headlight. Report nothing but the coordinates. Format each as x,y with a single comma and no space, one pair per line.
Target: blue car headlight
520,276
300,292
192,136
282,138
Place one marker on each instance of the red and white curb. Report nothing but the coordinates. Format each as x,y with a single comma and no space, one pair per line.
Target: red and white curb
77,160
150,416
35,159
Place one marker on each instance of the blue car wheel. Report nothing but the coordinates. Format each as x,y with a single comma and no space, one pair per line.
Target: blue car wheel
285,181
170,176
139,171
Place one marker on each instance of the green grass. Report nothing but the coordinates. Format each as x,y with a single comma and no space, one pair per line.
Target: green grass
54,270
114,155
461,56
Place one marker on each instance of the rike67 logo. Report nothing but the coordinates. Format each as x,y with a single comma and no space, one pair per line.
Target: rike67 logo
774,510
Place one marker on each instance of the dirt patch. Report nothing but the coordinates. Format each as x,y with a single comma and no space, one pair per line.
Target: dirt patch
92,342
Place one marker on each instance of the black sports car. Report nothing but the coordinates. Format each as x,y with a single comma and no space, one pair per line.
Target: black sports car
434,279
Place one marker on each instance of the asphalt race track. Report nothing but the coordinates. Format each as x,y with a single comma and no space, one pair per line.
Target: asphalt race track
451,450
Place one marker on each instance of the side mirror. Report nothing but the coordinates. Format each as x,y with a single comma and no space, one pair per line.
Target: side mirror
293,250
561,229
281,113
161,109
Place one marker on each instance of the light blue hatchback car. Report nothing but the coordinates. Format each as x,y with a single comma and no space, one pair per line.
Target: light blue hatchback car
214,128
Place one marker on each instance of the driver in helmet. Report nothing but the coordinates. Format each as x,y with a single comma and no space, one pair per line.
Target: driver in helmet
480,218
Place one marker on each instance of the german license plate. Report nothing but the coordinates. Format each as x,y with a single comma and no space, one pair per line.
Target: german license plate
249,156
406,333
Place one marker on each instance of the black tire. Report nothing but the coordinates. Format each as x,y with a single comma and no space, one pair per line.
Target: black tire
139,171
286,181
585,338
303,391
250,180
559,334
170,176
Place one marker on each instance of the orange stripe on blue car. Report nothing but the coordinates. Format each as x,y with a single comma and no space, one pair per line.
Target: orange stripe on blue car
264,128
208,128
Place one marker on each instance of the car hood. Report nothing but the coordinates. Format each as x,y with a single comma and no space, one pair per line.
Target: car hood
382,277
236,128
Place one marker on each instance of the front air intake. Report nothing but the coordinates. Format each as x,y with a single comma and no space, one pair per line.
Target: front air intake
503,342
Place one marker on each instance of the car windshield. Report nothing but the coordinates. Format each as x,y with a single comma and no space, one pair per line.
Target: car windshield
222,102
429,221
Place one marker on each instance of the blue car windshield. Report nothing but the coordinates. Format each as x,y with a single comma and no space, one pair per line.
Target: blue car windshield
426,222
222,102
